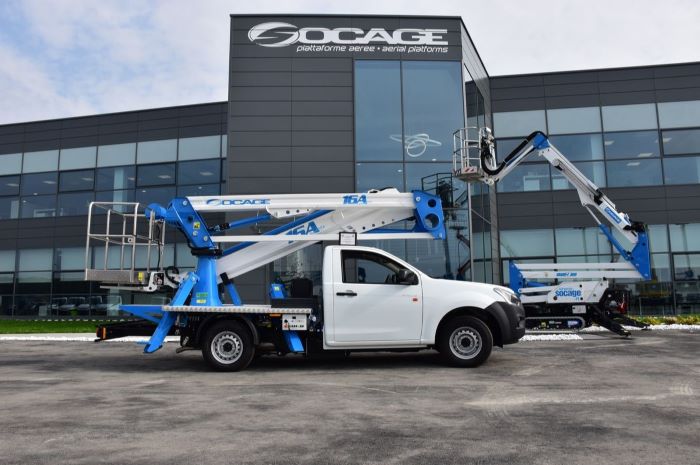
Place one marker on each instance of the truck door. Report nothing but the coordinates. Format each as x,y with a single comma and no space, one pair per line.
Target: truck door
369,304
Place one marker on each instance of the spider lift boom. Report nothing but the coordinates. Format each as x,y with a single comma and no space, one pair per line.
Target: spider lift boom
582,295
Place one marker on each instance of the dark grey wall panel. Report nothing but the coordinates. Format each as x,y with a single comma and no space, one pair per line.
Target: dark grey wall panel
323,154
261,169
260,78
324,138
253,108
261,185
255,94
323,184
322,123
261,123
271,154
259,138
322,109
329,168
322,93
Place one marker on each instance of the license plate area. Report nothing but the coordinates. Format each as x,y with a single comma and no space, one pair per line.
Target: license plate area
292,322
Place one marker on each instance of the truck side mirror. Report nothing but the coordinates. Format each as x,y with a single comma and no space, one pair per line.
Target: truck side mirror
405,276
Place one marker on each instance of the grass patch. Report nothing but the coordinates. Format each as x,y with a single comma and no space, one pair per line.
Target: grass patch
35,326
692,319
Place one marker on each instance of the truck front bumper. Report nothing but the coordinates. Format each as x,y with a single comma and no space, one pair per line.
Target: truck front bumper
513,328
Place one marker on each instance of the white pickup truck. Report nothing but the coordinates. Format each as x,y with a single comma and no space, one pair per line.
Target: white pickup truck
371,301
368,299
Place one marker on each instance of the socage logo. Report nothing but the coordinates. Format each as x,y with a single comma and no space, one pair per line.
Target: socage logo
277,34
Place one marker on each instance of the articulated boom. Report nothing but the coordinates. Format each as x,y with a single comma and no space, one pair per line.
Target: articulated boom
314,218
475,160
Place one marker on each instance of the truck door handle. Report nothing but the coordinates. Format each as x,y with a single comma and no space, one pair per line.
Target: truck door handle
347,293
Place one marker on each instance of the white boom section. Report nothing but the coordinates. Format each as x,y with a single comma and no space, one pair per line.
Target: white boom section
353,213
589,194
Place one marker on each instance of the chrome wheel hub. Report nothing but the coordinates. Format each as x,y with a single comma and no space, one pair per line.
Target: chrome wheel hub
227,347
465,343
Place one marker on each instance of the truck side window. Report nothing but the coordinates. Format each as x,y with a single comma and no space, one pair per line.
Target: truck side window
368,268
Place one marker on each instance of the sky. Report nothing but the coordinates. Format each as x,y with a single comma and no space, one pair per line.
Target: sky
62,58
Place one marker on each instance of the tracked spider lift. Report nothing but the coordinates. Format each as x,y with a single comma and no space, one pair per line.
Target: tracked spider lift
575,295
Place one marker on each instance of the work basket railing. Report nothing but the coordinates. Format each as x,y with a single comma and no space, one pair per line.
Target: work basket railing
466,163
123,245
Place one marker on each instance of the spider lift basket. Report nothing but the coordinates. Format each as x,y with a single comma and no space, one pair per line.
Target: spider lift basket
124,248
466,154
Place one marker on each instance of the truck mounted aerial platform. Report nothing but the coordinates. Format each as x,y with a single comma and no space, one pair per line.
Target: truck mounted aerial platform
369,299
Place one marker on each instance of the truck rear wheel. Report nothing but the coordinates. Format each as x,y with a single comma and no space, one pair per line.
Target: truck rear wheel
228,346
465,341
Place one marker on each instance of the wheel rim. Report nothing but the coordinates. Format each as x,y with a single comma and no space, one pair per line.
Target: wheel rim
465,343
227,347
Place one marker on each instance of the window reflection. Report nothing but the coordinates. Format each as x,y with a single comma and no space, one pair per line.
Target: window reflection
640,144
432,108
154,175
627,173
528,177
681,142
377,110
378,176
682,170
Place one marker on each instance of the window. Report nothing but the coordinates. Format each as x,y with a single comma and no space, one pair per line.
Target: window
38,206
432,108
526,178
378,176
159,195
120,177
224,145
199,172
369,268
682,170
518,123
42,183
35,259
70,258
116,154
378,110
36,162
11,163
658,237
642,144
7,260
154,175
629,117
686,267
595,171
198,189
581,241
580,147
156,151
681,142
629,173
679,114
77,180
572,120
9,185
685,237
75,203
9,208
194,148
74,159
115,196
527,243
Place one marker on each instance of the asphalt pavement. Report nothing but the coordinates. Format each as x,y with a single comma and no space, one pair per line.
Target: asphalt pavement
599,400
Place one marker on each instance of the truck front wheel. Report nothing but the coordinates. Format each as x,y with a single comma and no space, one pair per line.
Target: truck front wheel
465,341
228,346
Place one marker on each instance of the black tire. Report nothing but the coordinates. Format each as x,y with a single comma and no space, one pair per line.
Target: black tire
465,341
228,346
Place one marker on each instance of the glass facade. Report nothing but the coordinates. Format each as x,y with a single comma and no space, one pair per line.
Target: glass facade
614,146
49,282
633,149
